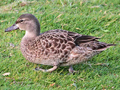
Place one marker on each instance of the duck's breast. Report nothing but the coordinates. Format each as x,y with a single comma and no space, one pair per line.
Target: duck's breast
48,48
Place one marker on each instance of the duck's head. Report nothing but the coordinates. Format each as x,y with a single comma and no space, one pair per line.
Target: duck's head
27,22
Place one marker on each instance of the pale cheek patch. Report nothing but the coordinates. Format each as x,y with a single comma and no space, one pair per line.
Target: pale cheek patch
19,27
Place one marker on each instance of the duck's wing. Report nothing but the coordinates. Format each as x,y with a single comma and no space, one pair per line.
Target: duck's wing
83,40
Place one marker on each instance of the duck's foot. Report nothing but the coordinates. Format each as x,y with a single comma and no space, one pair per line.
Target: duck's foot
47,70
71,70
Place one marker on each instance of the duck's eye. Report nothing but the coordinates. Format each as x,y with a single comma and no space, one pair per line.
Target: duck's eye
21,20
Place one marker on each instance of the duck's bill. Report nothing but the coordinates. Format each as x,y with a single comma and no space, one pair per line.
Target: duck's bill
13,27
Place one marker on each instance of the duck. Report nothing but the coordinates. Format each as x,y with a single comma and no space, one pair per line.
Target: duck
57,47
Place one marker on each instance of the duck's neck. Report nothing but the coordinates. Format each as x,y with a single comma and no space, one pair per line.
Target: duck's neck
33,30
31,34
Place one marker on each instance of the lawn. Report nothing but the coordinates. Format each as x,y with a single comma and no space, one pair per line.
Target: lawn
99,18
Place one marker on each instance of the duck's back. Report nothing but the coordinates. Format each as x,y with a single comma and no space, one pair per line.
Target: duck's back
60,47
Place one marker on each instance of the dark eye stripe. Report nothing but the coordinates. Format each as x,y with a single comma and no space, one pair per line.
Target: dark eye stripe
19,21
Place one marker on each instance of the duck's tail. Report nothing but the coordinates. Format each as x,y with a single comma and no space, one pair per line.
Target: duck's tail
103,46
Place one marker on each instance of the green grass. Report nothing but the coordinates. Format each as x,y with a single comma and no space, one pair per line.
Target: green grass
100,18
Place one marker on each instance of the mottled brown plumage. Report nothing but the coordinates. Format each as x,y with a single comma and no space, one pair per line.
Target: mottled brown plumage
55,47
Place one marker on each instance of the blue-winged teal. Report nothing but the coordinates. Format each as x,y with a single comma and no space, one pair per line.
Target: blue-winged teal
55,47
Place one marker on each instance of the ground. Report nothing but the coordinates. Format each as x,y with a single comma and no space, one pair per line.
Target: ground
99,18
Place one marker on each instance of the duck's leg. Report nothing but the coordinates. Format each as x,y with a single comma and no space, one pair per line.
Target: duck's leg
71,70
47,70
